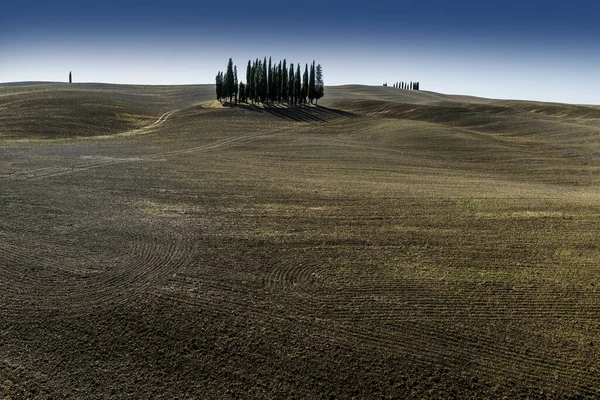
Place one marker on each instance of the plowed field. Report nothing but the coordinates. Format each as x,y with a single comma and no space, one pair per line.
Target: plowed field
385,244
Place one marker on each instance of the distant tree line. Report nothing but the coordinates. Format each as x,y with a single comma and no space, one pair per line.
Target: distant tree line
405,85
271,83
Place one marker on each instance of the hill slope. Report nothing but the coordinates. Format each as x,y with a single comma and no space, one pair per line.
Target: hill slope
386,244
51,110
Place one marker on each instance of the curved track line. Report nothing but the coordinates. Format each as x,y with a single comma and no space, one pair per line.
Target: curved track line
42,173
54,171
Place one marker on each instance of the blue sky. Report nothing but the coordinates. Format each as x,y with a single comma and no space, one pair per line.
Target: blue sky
512,49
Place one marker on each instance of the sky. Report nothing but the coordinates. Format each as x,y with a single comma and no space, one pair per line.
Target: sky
536,50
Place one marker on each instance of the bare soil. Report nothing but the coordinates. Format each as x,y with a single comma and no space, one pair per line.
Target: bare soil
385,244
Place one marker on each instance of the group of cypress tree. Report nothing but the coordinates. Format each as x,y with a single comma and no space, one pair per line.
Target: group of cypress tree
271,83
407,85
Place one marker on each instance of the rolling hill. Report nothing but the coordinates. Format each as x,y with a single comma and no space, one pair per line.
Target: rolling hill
386,244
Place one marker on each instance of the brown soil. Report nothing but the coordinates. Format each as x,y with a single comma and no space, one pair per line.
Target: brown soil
386,244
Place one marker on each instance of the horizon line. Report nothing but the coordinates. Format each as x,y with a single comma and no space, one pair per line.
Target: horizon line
333,86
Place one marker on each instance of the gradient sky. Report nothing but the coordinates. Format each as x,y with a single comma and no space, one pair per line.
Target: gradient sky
540,50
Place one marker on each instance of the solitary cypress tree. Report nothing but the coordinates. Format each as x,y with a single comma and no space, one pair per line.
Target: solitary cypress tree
319,86
70,77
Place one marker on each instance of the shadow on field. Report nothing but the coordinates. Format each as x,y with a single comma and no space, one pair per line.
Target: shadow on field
300,113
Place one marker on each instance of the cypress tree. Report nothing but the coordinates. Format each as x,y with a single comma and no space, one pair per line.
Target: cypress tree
291,81
279,82
284,81
255,81
265,82
305,84
249,80
274,79
219,85
298,84
235,83
225,90
256,78
274,75
229,81
311,83
269,80
70,77
275,91
319,86
242,92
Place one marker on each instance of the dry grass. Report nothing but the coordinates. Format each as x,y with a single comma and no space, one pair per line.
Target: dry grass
414,245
